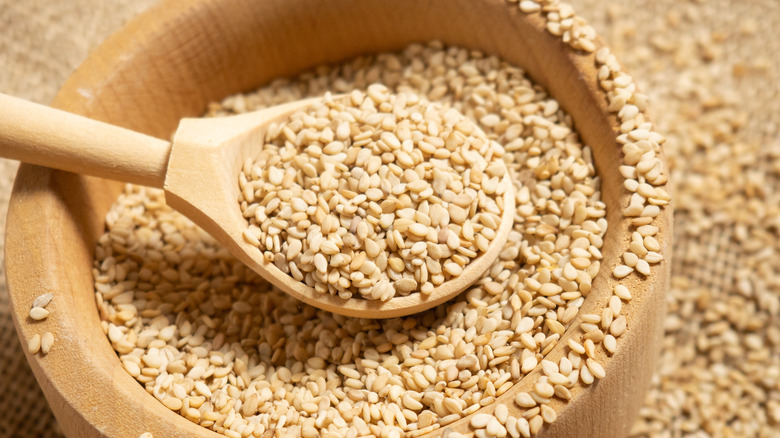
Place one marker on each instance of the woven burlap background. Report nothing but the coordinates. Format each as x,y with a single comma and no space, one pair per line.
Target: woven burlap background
42,41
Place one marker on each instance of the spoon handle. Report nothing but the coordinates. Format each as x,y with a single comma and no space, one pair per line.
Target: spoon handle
45,136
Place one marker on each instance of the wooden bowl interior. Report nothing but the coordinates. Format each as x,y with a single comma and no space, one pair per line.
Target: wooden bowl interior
173,60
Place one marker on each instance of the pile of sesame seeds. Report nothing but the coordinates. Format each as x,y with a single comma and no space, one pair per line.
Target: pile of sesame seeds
374,195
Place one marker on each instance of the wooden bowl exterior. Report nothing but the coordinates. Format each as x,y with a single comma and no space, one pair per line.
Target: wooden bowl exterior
169,63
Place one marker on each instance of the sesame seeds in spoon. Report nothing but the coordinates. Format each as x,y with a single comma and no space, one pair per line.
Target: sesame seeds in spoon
380,205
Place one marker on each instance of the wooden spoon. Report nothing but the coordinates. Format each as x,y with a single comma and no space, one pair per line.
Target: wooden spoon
199,172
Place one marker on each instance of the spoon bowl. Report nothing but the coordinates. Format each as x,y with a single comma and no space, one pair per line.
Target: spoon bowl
199,173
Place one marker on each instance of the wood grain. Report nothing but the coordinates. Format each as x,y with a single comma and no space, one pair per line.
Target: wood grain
169,63
37,134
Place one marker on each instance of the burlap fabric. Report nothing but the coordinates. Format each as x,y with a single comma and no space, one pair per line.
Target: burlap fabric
42,41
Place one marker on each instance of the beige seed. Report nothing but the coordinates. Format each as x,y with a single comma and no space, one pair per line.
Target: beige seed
457,214
529,364
576,346
653,257
43,300
494,428
419,230
544,389
550,289
501,413
173,404
652,244
595,368
630,259
622,292
453,269
529,6
586,376
396,264
372,248
562,392
467,362
453,242
47,341
132,368
34,344
480,421
618,326
523,427
38,313
548,414
621,271
405,285
411,403
524,400
643,267
555,326
610,344
320,262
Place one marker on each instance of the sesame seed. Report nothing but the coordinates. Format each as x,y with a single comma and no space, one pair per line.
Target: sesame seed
47,341
524,400
643,267
595,368
622,292
38,313
548,414
610,344
43,300
576,346
34,344
621,271
618,326
480,421
529,6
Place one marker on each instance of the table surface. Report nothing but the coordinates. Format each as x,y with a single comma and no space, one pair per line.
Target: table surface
709,63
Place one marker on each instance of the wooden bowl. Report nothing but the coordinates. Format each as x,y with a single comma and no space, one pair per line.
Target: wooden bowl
169,63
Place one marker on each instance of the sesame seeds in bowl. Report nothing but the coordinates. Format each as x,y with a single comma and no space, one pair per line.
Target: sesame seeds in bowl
203,318
477,346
